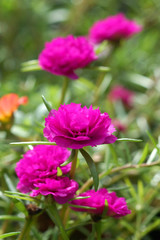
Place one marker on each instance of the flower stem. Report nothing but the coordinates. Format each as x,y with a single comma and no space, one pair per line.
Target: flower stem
74,163
102,75
52,211
26,228
65,210
64,90
66,215
97,226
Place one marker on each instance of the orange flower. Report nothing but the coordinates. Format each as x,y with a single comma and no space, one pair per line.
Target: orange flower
8,104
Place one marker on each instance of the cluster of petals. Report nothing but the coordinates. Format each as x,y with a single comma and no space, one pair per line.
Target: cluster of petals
118,92
63,55
61,188
74,127
113,28
37,172
117,206
9,103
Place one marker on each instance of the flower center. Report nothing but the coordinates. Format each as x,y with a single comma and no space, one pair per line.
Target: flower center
78,133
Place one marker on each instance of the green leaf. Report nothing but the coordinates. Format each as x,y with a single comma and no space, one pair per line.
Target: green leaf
9,234
119,109
151,138
9,183
140,191
73,152
52,211
118,188
144,154
105,210
11,217
80,206
47,104
31,68
152,156
127,151
32,143
103,69
104,84
114,154
153,141
19,197
16,193
129,140
128,226
131,188
20,206
140,81
4,198
80,197
150,216
32,65
150,227
100,68
59,172
84,82
92,168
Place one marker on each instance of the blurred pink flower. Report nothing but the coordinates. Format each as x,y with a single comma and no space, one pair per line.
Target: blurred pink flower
118,92
40,164
63,55
113,28
119,125
75,127
62,188
117,207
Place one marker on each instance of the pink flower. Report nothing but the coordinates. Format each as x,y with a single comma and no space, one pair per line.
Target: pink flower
75,127
63,55
39,164
117,207
62,188
120,93
113,28
119,125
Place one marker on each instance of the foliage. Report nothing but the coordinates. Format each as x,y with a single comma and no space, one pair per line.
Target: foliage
130,166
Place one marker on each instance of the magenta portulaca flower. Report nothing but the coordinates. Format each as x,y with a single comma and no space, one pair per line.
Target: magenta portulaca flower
117,207
113,28
40,163
63,55
74,127
118,92
61,188
37,173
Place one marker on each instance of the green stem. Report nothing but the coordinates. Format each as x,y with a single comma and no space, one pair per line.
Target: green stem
102,75
137,235
74,164
52,211
26,228
98,230
63,213
65,209
64,90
